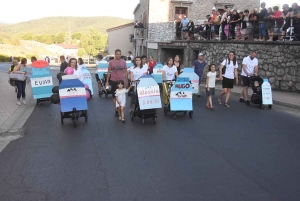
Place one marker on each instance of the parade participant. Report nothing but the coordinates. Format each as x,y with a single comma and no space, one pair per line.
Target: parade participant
81,64
169,72
64,63
210,85
21,85
249,68
178,64
99,60
151,64
77,71
199,66
120,95
136,72
116,72
230,64
144,62
33,59
11,69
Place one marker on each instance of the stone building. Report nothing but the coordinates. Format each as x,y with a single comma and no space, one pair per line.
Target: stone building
158,18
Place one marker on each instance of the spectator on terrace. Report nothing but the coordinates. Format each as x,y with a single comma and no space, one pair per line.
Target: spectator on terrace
184,27
286,14
252,26
224,23
217,24
177,25
234,24
269,23
277,17
262,24
212,24
296,15
191,30
244,23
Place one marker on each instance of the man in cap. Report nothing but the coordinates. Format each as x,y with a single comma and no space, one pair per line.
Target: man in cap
199,66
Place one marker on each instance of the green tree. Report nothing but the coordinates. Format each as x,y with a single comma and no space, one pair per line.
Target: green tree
15,40
76,36
59,38
28,36
81,52
44,38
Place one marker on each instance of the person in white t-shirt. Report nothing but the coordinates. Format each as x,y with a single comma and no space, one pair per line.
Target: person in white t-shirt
77,71
136,72
249,68
169,72
227,77
121,99
144,62
81,64
210,85
99,60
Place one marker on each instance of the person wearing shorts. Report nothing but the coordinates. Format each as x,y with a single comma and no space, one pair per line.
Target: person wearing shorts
249,68
116,71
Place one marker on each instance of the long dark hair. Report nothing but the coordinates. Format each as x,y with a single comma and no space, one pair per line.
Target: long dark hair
169,60
135,65
80,61
76,66
234,58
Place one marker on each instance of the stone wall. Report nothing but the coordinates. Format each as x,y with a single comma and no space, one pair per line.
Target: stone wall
161,32
279,62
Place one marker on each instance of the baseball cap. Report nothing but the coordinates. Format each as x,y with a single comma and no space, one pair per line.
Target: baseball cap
200,54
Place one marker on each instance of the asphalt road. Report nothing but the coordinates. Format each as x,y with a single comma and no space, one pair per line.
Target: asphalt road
237,153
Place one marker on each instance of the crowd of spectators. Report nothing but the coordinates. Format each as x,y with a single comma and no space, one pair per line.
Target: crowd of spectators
267,24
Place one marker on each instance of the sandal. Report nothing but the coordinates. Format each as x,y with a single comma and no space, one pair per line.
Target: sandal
207,106
226,105
120,118
220,101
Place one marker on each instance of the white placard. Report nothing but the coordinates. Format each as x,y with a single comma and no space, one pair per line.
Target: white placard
41,81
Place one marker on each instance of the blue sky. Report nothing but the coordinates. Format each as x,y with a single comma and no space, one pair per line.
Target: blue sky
14,11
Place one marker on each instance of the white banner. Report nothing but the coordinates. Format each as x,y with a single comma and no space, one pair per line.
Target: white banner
41,82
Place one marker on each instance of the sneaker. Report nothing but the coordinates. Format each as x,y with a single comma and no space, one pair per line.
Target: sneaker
18,103
24,102
247,102
120,118
242,100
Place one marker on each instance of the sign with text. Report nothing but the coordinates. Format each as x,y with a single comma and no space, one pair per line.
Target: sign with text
181,95
102,68
194,78
87,79
148,93
157,73
266,93
41,81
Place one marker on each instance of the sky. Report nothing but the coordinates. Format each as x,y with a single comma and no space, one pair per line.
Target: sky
14,11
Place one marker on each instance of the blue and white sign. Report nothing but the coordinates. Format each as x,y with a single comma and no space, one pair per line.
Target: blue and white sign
102,68
157,73
266,92
148,93
41,80
181,95
194,78
87,79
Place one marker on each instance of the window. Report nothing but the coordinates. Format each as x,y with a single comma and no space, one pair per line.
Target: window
179,12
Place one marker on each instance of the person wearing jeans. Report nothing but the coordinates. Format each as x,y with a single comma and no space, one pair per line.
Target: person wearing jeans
262,24
21,85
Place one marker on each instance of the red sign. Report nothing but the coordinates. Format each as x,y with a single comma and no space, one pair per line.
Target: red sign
40,64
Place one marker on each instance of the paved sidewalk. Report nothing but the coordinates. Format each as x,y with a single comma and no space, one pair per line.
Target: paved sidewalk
12,116
287,99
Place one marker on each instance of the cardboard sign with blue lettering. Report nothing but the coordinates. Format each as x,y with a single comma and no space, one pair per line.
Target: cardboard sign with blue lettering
129,64
102,68
157,73
72,94
194,78
148,93
87,79
266,90
41,80
181,95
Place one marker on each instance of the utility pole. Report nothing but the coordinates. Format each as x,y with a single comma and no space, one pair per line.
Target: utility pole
69,33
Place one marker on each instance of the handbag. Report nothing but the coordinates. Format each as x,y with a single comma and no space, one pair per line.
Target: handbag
17,77
224,68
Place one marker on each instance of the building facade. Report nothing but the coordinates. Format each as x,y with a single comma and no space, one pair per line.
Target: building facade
158,19
120,37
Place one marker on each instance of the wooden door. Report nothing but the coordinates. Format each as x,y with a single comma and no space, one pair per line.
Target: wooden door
180,12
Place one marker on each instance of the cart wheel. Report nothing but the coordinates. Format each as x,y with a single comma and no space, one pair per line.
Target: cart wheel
86,115
100,94
61,118
143,121
185,112
191,114
270,106
154,120
49,102
106,95
174,115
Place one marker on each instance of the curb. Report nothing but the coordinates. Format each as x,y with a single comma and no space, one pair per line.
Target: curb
275,102
12,128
